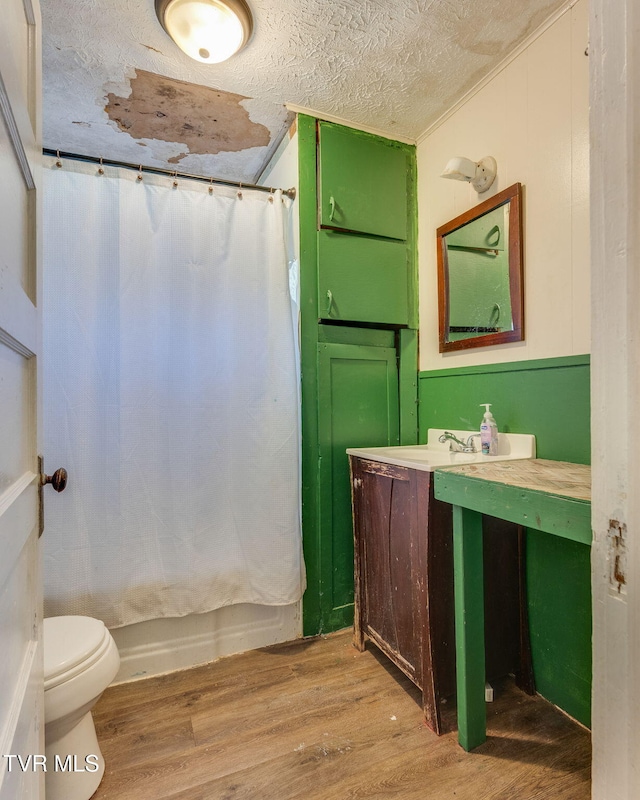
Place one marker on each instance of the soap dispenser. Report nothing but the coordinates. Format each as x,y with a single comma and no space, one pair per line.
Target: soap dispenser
488,433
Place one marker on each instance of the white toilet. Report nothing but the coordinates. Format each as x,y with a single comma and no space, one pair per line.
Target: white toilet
80,661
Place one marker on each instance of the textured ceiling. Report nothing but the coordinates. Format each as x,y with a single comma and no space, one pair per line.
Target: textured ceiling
391,65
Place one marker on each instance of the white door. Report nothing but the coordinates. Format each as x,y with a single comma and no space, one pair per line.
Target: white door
21,683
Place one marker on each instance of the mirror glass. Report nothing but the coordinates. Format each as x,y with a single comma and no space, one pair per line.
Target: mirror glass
480,274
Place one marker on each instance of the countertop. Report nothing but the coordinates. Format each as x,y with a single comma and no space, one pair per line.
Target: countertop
536,474
551,496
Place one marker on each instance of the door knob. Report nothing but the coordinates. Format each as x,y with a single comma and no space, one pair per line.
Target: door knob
58,480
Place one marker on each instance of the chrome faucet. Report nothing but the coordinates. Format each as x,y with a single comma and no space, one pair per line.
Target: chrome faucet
458,446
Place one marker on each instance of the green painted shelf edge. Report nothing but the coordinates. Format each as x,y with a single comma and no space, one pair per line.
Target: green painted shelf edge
560,516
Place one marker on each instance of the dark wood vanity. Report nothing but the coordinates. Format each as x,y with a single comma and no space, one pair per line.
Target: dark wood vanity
404,598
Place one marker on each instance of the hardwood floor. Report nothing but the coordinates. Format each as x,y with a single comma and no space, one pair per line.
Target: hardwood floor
317,720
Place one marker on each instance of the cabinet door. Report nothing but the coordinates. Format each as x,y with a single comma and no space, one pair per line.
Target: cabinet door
358,407
361,279
362,183
394,572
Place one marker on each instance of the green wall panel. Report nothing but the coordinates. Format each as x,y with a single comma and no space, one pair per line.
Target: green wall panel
308,356
408,389
549,398
559,591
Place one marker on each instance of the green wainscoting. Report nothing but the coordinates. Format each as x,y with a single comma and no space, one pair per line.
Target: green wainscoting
559,593
549,398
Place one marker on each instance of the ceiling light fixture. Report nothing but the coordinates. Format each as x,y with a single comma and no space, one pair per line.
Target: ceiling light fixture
209,31
480,174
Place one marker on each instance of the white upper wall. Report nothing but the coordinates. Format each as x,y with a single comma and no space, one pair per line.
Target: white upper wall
282,173
533,118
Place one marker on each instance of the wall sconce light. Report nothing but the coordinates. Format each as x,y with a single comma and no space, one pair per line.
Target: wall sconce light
480,174
209,31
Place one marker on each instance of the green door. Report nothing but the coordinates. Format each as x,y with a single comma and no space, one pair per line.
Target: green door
358,407
362,279
362,183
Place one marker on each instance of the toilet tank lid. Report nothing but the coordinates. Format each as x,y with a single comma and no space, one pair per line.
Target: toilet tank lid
70,640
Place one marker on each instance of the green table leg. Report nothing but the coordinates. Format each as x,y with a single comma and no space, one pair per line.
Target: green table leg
469,618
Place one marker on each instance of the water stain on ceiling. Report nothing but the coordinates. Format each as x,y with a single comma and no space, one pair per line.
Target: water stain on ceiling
394,67
201,119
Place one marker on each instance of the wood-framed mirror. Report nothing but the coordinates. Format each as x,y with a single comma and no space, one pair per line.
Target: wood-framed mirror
480,274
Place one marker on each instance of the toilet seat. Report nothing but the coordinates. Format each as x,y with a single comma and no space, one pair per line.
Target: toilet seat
71,646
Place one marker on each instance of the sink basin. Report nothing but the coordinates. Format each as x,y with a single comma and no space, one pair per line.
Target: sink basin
434,455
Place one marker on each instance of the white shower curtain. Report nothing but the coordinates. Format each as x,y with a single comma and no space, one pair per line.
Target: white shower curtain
170,396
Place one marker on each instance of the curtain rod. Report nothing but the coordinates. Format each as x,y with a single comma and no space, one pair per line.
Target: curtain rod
159,171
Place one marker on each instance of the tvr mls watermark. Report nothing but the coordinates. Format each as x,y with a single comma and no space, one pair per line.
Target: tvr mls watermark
36,762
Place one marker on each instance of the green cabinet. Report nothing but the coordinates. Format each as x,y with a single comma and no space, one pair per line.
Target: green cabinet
362,182
362,279
365,244
357,407
358,338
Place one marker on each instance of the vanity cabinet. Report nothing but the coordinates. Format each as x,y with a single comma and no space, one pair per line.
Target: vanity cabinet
404,596
404,576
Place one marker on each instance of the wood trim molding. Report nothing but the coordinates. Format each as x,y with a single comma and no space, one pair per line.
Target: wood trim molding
396,137
9,341
614,65
560,362
14,136
29,12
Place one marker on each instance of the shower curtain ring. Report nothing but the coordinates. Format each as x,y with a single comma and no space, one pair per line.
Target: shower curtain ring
271,195
240,190
139,178
175,179
100,168
211,186
58,162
